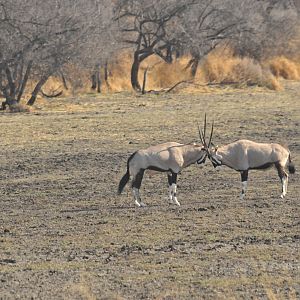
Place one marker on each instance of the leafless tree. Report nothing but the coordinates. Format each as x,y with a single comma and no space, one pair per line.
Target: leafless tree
272,24
38,40
150,27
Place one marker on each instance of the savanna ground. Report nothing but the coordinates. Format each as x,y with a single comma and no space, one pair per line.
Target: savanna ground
66,234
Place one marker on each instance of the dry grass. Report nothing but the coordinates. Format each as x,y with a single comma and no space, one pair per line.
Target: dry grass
226,68
285,68
218,70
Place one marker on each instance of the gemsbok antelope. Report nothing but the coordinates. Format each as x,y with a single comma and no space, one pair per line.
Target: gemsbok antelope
245,155
169,157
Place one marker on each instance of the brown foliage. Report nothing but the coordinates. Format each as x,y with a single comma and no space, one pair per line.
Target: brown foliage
285,68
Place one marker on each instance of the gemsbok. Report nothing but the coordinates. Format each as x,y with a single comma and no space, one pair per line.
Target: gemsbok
169,157
245,155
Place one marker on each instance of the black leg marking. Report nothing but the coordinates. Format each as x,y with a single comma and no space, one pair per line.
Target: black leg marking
244,178
170,179
244,175
174,181
174,177
137,181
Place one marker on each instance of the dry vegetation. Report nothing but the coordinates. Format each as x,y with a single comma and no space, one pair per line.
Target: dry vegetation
220,67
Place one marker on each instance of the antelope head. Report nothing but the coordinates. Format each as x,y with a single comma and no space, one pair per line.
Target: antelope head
210,148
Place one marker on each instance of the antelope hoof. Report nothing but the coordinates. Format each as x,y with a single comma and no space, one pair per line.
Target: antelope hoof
142,204
282,196
242,196
137,203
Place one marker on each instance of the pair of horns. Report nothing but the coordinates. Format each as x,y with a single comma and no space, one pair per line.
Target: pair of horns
202,134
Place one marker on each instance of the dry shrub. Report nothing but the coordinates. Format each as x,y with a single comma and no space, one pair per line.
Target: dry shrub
119,73
159,75
165,75
284,67
224,69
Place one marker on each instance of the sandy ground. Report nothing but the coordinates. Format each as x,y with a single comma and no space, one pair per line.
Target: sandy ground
66,234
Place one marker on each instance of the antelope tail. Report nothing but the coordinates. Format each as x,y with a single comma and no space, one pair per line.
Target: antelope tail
124,180
291,166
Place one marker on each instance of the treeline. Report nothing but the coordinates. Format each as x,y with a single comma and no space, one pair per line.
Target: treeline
40,39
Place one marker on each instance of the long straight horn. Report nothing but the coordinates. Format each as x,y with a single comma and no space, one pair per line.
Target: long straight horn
211,134
200,134
204,137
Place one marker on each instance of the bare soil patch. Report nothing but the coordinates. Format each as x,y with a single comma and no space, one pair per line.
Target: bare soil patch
65,234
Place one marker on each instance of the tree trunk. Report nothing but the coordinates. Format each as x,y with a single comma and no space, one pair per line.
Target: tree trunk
98,79
37,89
11,84
144,81
63,78
94,83
106,75
106,71
194,66
24,81
135,73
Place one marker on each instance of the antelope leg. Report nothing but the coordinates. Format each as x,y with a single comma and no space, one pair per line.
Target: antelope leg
136,184
174,188
284,179
244,178
170,189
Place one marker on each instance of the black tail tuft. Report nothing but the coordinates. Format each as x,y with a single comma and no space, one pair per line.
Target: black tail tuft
123,182
126,176
292,168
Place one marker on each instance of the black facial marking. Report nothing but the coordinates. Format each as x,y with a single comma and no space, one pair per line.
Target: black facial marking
201,160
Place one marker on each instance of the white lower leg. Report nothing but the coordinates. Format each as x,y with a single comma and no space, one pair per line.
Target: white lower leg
284,182
170,194
136,195
174,188
244,188
137,198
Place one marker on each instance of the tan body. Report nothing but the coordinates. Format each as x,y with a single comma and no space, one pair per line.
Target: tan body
245,155
168,157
